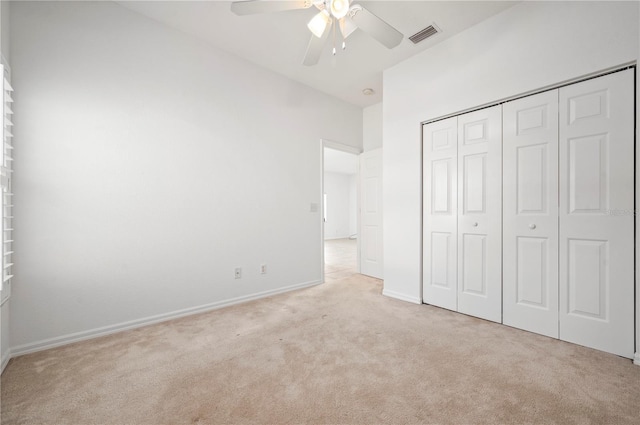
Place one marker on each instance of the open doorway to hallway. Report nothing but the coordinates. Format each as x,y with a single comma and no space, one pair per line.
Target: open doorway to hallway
340,215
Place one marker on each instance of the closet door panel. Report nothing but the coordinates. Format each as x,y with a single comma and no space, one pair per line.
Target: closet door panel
530,213
440,210
597,213
480,213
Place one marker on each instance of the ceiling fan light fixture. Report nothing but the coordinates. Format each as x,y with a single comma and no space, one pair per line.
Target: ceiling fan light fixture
339,8
350,16
318,24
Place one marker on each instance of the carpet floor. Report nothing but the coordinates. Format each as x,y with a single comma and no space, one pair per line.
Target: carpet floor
337,353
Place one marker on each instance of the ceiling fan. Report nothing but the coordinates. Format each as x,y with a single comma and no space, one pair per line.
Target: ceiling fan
347,15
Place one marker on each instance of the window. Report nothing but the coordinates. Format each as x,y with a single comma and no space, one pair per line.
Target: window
5,185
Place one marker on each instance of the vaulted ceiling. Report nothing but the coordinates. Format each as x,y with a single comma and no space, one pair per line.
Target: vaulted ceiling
278,41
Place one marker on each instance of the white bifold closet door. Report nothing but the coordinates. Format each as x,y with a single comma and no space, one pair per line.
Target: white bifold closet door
462,213
440,207
568,213
530,244
480,213
597,213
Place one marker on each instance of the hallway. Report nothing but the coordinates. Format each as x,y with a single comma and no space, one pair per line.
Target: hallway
340,258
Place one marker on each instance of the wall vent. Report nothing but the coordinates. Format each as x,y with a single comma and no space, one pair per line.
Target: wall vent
424,34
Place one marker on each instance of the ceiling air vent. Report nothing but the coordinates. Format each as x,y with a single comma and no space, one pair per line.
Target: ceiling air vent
423,34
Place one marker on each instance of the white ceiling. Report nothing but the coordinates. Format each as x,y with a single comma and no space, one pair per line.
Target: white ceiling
278,41
336,161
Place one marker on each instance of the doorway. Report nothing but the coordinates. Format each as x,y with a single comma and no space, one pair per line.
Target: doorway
340,211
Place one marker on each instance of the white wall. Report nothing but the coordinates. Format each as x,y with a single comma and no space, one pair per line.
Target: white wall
527,47
5,344
372,127
337,186
150,165
5,26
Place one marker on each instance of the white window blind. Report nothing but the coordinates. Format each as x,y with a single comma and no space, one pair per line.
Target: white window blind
7,196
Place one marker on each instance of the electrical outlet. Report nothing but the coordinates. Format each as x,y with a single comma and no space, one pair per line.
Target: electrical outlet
263,269
238,272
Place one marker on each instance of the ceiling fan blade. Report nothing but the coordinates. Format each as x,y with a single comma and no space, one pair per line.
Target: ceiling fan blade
315,47
253,7
375,27
347,27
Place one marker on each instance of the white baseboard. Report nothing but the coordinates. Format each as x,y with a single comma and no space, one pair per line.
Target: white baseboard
336,237
636,359
108,330
401,297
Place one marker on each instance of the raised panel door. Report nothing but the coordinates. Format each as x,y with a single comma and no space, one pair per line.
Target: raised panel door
479,213
530,213
439,285
371,256
596,213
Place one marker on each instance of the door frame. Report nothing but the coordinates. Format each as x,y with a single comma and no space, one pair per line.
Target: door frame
326,143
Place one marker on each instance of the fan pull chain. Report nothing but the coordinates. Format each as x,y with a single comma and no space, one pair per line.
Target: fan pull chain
334,60
334,38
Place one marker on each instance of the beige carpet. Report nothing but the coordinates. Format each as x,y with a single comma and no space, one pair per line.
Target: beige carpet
338,353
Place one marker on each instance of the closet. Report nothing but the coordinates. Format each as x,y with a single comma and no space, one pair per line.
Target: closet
552,180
